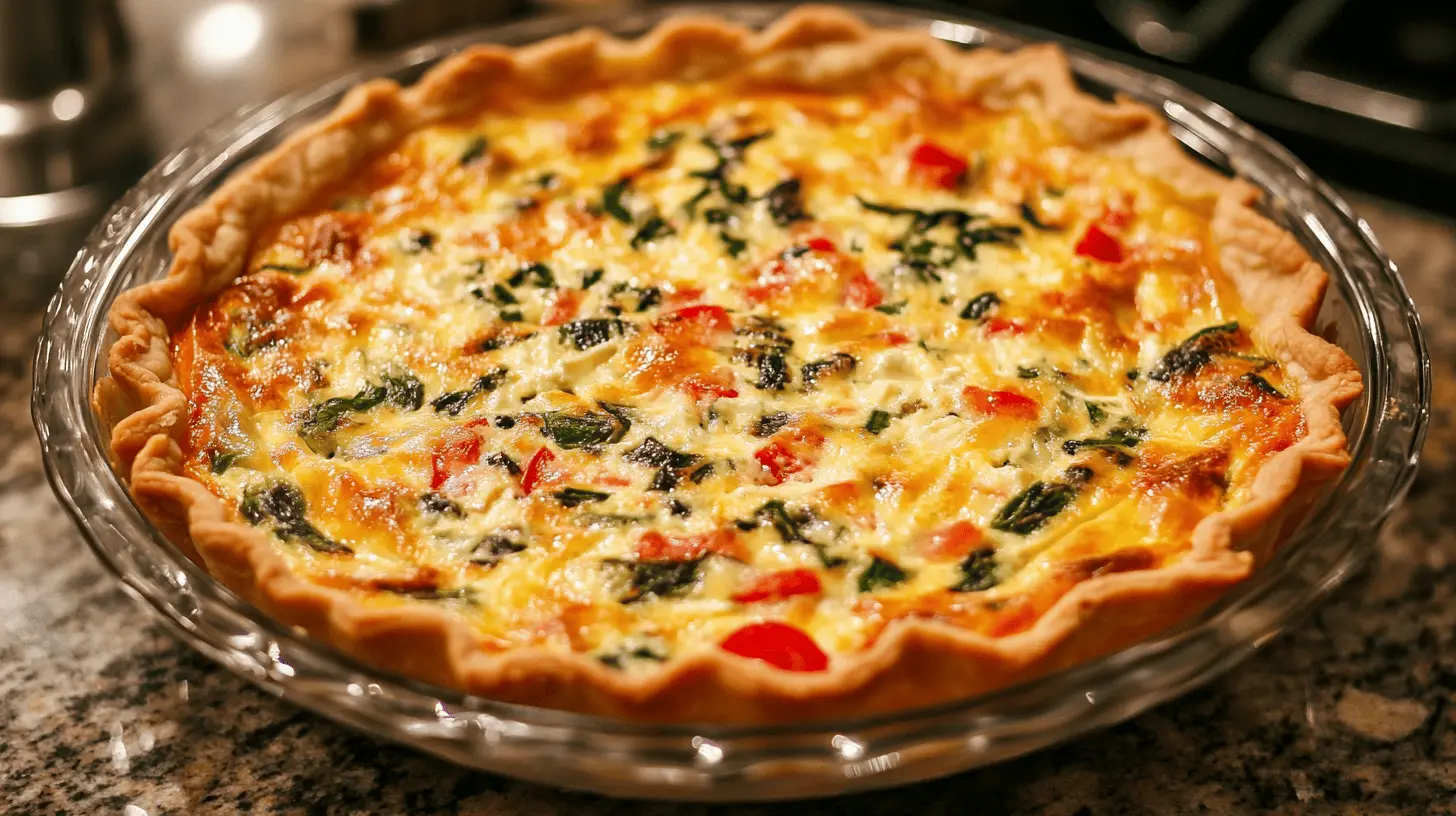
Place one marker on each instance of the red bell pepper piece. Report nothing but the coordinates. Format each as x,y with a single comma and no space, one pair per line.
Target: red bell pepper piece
1000,403
694,324
1098,245
454,456
654,546
564,304
779,585
935,166
821,245
536,469
955,540
861,292
777,644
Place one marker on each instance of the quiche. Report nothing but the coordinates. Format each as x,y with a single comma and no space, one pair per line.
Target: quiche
729,375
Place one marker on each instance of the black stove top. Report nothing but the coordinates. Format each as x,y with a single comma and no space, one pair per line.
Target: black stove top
1362,90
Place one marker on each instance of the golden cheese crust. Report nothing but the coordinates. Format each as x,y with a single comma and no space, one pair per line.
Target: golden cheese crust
729,376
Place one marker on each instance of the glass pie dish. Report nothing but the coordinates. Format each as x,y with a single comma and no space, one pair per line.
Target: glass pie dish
1367,312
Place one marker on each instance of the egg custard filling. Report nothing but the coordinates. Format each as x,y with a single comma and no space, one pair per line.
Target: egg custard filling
729,374
637,373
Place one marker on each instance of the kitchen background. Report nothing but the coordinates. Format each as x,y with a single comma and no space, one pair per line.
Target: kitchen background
101,712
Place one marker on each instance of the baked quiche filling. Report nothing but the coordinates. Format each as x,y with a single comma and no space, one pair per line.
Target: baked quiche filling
678,366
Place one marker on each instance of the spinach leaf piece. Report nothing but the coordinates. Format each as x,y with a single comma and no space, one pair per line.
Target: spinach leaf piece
1031,508
436,505
880,574
571,431
878,421
453,402
660,578
735,247
282,505
591,332
287,269
653,453
625,655
220,461
980,306
474,150
539,272
978,572
591,278
1095,413
785,202
653,228
1003,234
400,390
576,496
770,424
773,369
663,139
418,241
1120,437
1263,385
612,201
1194,353
838,364
1029,215
498,545
504,462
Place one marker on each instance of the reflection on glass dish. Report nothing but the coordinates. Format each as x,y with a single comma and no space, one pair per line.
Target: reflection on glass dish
1367,313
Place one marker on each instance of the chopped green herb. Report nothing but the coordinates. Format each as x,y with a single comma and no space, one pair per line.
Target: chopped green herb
1027,373
474,150
663,139
1192,354
612,201
881,574
785,203
512,315
1028,214
418,241
1095,413
288,269
1002,234
735,247
878,421
219,462
893,308
575,496
591,278
503,295
717,215
1033,507
978,572
622,414
539,271
980,305
653,228
777,515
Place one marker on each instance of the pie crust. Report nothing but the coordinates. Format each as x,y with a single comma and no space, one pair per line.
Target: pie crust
915,662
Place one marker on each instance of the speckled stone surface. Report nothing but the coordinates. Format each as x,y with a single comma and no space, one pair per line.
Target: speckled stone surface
102,712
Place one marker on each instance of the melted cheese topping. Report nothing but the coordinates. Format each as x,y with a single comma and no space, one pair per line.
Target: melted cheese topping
623,374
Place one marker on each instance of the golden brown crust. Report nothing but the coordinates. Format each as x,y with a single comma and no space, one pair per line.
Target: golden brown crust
915,662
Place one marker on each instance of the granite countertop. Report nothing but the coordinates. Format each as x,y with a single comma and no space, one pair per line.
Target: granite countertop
103,712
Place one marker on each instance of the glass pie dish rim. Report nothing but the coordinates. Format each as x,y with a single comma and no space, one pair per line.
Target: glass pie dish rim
195,606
